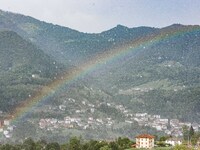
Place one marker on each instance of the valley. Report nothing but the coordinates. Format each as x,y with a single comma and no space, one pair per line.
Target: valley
58,80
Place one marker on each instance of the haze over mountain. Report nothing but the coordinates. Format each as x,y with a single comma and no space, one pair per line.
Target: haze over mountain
160,78
65,44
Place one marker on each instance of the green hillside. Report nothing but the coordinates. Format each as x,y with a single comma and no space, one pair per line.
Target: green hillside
23,69
160,78
67,45
166,74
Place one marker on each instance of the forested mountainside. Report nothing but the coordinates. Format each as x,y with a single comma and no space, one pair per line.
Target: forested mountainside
161,77
24,69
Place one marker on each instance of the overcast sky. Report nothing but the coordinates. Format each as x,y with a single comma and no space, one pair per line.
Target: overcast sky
100,15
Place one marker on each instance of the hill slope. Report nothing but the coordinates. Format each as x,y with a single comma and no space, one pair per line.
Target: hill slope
161,78
171,65
64,44
23,69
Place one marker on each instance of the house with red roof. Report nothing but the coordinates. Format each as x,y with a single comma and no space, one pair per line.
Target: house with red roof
145,141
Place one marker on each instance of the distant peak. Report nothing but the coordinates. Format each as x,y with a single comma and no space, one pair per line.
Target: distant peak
1,11
174,26
177,25
121,26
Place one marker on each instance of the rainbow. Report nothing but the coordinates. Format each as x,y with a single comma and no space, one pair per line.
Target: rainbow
97,62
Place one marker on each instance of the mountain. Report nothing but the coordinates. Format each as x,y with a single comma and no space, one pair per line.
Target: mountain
64,44
160,76
23,69
124,34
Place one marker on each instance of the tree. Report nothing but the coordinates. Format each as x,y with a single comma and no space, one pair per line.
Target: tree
74,144
195,138
191,132
29,144
41,144
185,133
106,147
163,138
8,147
114,146
180,147
64,146
156,137
53,146
123,143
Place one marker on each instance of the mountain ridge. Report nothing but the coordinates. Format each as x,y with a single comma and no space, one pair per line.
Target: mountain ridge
161,77
75,47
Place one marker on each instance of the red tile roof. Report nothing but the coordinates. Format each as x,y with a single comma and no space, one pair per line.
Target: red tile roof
145,136
133,145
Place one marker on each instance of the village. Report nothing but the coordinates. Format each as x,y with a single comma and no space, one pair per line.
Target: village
173,127
6,128
170,127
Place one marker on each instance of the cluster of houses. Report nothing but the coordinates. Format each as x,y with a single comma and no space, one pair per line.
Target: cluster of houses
168,126
75,119
75,122
6,128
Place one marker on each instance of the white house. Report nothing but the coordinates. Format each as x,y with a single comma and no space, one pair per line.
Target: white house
6,122
145,141
173,141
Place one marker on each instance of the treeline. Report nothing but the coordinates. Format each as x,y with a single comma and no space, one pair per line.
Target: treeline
190,136
77,143
74,143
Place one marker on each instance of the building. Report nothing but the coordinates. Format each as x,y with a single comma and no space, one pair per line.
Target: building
145,141
6,122
173,141
1,123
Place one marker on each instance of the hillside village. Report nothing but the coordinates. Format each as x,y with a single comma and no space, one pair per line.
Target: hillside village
75,120
168,126
171,127
6,128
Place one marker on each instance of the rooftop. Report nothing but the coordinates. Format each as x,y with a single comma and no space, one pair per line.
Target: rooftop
145,136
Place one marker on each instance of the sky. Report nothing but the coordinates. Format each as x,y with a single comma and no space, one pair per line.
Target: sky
94,16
